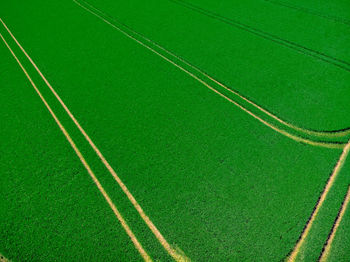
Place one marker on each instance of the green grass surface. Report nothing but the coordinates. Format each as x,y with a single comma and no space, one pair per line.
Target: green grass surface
218,184
291,26
337,11
289,83
41,187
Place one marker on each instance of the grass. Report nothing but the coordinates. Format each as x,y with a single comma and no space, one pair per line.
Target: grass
275,73
217,183
41,187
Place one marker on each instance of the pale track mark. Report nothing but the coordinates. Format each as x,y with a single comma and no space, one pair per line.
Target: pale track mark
296,138
327,134
3,259
283,132
322,198
127,229
172,252
327,248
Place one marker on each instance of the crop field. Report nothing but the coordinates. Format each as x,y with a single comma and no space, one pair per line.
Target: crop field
175,130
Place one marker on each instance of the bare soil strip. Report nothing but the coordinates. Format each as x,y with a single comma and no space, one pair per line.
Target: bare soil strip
3,259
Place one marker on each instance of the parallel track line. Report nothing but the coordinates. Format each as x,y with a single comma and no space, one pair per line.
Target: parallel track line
127,229
333,145
172,252
320,201
329,134
327,248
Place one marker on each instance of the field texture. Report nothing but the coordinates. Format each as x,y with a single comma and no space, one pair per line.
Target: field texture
178,130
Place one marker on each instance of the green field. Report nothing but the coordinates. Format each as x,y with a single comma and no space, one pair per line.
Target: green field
179,130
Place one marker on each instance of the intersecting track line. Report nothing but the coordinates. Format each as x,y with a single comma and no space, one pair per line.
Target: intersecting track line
172,252
327,248
329,134
334,145
133,238
330,182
